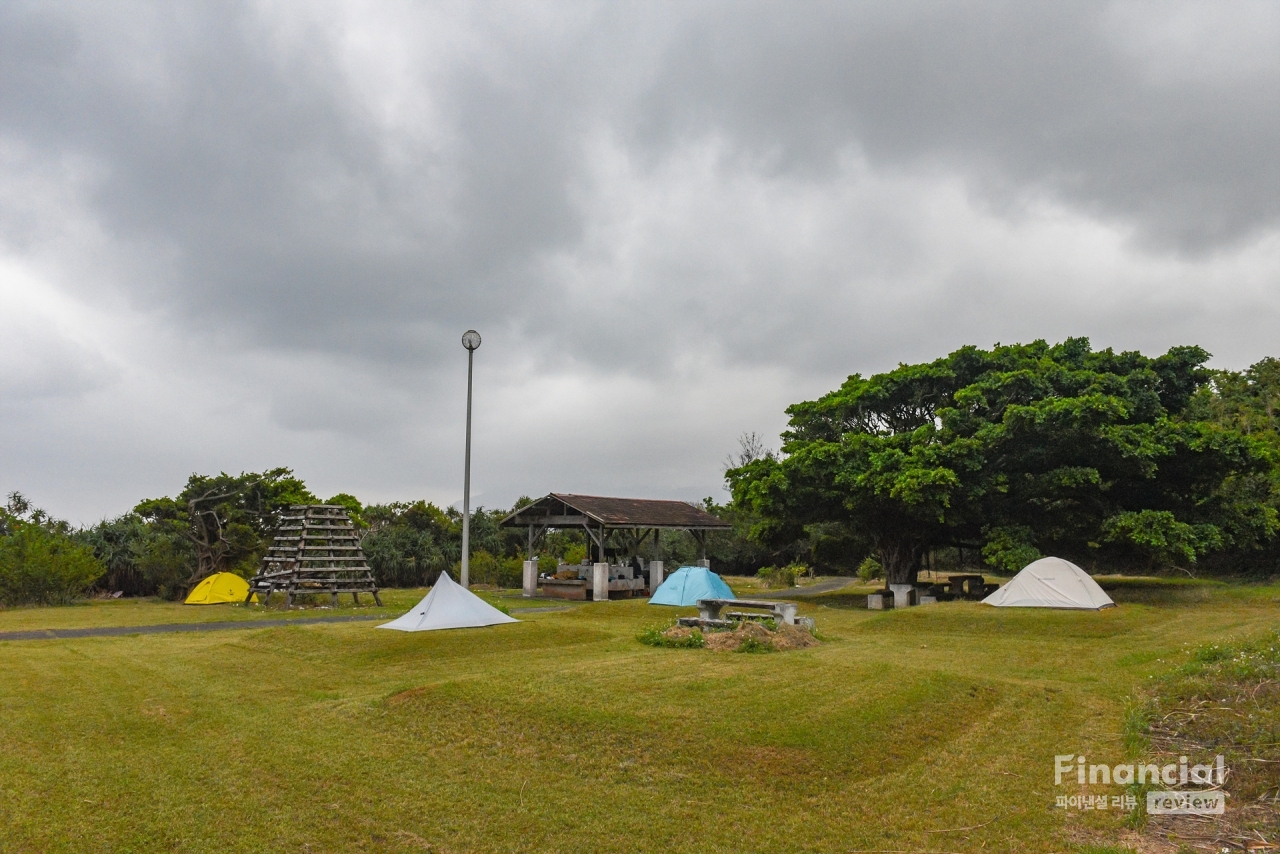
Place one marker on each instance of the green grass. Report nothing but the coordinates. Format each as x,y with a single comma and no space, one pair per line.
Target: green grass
148,612
564,733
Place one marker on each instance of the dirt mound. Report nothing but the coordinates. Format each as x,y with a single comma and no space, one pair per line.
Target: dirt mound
731,640
792,637
753,634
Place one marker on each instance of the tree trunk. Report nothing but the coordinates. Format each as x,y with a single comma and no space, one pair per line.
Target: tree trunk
900,560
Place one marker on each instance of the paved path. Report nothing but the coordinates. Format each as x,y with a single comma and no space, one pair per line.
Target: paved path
115,631
828,586
163,628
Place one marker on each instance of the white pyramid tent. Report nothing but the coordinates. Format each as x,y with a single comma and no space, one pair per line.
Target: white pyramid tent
448,606
1051,582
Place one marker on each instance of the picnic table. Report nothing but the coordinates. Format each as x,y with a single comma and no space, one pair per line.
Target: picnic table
957,585
709,609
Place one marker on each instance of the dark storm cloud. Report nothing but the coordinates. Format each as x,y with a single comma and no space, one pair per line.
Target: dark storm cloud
1053,95
685,214
265,178
265,172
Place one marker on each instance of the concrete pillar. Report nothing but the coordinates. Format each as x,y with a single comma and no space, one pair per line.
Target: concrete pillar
600,582
902,594
705,562
530,578
655,575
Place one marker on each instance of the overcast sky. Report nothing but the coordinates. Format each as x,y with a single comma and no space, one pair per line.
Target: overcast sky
241,236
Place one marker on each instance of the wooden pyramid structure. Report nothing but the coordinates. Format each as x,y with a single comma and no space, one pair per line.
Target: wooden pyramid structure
315,550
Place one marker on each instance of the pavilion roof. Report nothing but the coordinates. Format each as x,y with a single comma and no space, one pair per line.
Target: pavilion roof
564,510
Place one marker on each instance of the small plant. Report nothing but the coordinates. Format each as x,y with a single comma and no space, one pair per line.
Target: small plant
870,569
1134,729
1137,817
750,644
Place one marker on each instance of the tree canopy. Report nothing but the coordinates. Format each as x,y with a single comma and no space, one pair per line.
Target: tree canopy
225,517
1019,450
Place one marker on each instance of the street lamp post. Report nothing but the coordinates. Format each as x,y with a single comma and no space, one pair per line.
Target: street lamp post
470,340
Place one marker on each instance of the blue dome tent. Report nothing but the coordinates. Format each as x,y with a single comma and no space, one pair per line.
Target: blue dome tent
688,584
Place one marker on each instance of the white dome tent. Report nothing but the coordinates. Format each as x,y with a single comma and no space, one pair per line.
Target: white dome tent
448,606
1051,582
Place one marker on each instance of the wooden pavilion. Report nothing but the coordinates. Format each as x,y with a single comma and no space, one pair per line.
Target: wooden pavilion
598,516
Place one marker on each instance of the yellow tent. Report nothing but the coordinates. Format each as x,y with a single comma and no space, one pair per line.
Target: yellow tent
220,587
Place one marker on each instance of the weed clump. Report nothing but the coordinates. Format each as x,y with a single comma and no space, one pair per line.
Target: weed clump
782,576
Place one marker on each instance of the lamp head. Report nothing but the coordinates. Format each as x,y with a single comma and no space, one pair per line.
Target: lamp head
471,339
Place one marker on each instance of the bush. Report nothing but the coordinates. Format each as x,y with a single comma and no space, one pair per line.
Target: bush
402,556
165,563
43,567
870,569
498,571
781,576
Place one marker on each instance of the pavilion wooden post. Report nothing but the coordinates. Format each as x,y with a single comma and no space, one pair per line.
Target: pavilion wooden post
655,565
701,537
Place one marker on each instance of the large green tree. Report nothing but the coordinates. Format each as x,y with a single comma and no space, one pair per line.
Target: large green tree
1019,450
225,518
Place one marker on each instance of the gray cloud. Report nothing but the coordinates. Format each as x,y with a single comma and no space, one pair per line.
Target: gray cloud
669,221
1086,101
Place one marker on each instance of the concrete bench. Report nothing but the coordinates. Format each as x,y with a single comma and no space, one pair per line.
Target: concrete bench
699,623
742,616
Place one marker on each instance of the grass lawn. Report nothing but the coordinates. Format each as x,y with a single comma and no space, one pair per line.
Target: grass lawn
932,729
149,612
